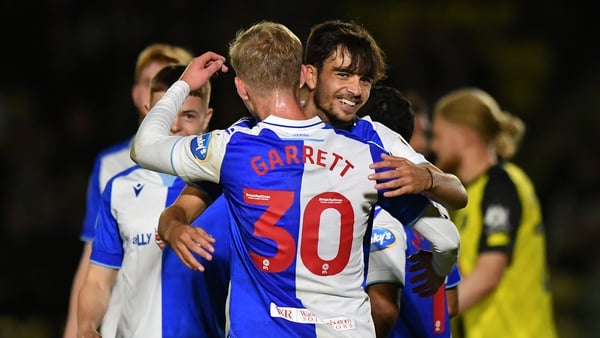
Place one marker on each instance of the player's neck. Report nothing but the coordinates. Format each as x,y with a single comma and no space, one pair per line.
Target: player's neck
475,162
282,104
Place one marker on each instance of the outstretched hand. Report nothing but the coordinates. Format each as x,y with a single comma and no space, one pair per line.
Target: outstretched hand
427,281
202,68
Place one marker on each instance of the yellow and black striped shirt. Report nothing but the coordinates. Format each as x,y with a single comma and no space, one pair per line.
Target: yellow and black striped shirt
504,214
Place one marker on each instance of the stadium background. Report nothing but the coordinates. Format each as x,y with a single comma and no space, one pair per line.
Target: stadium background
65,94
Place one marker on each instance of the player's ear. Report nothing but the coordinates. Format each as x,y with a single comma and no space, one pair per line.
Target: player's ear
310,76
303,72
240,86
207,116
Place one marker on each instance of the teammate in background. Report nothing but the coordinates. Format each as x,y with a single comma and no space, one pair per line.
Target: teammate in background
156,295
116,158
282,180
398,310
505,288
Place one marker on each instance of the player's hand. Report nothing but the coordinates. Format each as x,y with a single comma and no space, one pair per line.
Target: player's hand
185,239
202,68
427,281
404,178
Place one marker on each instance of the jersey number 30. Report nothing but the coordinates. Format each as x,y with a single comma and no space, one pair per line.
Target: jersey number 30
278,202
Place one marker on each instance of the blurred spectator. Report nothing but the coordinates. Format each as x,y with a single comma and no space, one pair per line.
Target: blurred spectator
505,290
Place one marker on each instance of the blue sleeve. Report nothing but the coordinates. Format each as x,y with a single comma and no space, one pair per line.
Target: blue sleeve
92,203
406,208
107,247
454,277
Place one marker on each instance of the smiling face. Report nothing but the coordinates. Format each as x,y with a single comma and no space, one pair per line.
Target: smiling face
336,93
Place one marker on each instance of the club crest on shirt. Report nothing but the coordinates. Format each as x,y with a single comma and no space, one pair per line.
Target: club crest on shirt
382,238
199,146
496,219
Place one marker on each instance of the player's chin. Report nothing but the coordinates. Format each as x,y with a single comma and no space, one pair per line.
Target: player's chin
346,116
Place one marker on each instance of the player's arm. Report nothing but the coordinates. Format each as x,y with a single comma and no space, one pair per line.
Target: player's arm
452,282
174,227
452,301
445,188
70,330
425,265
501,209
441,233
93,299
482,281
385,308
152,146
410,178
93,200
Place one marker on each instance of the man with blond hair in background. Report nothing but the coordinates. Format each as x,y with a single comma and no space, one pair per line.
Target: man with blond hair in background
505,292
115,159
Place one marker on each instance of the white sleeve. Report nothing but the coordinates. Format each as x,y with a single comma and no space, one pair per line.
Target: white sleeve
445,242
152,145
193,158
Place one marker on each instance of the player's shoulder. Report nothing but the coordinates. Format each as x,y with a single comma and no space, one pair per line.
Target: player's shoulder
366,128
244,123
368,123
361,138
137,174
115,148
517,174
499,178
127,173
113,160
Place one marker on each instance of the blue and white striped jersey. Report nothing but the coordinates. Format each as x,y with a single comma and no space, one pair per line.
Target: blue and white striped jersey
154,295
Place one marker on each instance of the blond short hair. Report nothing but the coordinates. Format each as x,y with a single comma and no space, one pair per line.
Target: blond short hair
266,56
161,52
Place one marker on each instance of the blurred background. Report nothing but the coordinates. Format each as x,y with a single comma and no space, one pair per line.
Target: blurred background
67,69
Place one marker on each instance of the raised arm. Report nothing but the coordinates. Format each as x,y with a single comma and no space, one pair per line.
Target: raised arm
152,144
